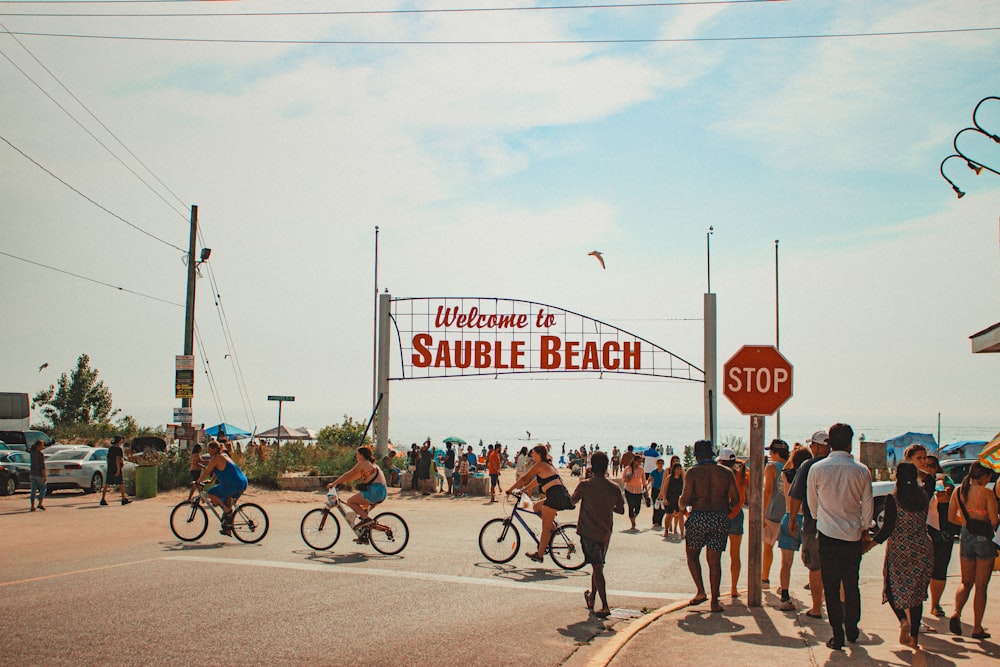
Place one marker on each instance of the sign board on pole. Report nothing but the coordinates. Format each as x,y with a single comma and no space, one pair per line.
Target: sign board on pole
757,380
281,398
182,415
184,362
189,432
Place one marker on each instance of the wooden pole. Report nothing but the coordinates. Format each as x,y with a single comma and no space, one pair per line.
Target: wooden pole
755,523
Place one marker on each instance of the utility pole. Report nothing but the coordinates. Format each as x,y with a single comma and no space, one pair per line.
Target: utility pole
192,265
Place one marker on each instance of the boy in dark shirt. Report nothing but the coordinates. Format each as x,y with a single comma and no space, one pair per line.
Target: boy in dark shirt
599,498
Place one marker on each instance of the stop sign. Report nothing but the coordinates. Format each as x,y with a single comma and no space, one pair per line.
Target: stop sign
757,380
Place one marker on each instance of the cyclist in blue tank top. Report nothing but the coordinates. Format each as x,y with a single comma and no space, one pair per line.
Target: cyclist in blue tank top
231,483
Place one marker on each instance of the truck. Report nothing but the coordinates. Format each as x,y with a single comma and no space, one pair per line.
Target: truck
15,411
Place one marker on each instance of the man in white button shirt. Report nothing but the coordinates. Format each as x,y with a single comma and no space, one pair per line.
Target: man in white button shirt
839,490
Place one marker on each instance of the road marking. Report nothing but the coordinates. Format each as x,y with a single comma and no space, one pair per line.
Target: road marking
75,572
423,576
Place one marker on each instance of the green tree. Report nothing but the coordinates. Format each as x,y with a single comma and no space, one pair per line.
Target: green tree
77,398
346,434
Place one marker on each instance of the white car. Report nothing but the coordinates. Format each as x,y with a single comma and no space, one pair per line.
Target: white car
78,468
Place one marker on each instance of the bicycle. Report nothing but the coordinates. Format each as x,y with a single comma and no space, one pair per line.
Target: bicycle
189,520
320,528
499,539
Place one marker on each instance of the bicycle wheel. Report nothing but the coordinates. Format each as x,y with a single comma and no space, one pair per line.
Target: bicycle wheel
389,533
249,523
320,529
565,549
499,540
188,521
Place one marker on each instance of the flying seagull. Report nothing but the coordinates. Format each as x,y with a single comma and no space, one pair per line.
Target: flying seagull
43,367
599,256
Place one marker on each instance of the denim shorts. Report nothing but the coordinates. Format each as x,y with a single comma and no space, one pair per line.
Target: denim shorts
736,524
785,539
976,547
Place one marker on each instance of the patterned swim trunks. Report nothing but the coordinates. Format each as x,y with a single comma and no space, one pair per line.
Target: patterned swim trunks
709,529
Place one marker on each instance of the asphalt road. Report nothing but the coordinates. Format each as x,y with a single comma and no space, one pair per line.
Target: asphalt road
88,585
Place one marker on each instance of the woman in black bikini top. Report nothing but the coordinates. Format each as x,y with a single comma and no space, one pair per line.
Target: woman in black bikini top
556,496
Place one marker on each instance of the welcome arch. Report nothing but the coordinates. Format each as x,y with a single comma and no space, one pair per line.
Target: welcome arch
441,337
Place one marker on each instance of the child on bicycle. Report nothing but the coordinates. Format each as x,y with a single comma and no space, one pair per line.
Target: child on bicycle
371,491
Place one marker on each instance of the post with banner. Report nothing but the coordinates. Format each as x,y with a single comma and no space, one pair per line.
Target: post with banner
757,380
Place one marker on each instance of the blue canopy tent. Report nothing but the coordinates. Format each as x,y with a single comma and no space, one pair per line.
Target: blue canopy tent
230,431
963,449
894,447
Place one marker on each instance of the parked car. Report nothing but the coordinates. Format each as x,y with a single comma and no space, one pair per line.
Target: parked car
3,446
957,469
8,482
23,440
49,451
78,468
18,463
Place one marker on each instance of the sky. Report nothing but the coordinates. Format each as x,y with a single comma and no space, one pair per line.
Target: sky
494,150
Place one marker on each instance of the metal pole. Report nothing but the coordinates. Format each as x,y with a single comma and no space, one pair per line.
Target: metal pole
755,525
708,256
375,329
382,414
777,329
277,442
711,366
189,305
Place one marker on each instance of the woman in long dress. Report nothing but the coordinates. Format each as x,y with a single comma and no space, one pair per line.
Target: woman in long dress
909,553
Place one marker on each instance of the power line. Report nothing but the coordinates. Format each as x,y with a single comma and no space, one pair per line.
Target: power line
510,42
100,206
81,125
93,280
377,12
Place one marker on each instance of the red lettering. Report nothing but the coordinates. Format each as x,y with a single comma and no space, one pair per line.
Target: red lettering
421,357
632,356
443,357
571,355
516,353
591,360
463,353
482,354
610,363
446,318
498,356
549,352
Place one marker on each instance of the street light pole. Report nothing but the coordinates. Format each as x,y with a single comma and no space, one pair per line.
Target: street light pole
710,346
777,328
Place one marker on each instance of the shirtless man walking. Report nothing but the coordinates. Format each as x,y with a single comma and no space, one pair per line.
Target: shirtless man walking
710,490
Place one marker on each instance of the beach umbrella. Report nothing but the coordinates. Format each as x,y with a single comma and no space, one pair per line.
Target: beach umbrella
453,440
308,432
230,431
285,432
990,456
961,444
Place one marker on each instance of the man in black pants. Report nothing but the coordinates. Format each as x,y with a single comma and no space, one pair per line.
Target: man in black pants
839,492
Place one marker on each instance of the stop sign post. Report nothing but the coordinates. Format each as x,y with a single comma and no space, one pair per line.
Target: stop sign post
758,381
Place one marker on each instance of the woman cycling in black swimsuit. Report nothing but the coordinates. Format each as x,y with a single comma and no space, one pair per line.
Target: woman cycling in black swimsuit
555,496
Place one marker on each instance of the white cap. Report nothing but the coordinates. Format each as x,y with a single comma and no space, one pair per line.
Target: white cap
726,454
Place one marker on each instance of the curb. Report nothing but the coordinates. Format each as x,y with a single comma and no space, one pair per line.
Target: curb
608,652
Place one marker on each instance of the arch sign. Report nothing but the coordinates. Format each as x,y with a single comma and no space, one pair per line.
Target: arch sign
468,336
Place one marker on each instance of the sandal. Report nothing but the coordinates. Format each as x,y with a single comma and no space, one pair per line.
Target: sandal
589,600
604,613
955,625
981,635
535,557
697,600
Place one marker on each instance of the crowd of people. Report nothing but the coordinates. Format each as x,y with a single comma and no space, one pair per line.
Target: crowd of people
817,502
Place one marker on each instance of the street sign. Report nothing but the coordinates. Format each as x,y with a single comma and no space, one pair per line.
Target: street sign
281,398
182,415
757,380
184,362
189,432
184,384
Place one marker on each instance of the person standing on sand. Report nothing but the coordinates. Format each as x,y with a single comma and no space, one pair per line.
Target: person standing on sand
600,499
116,461
710,490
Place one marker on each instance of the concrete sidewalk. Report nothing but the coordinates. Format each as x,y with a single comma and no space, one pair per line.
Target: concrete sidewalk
685,635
